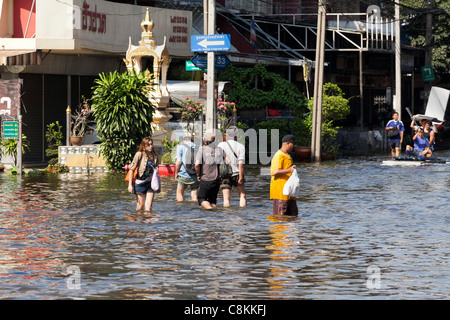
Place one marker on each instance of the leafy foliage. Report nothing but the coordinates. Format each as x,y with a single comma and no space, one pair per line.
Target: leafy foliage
190,111
80,119
9,147
225,113
278,124
171,154
54,138
56,168
123,113
271,90
334,108
414,12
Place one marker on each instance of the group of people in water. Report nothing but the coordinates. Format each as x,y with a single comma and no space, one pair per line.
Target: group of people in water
424,137
197,171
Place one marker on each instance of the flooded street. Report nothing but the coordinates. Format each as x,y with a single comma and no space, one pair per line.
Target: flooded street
364,231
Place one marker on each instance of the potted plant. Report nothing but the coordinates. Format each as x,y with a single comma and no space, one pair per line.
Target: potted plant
167,166
225,111
79,123
301,128
335,108
190,112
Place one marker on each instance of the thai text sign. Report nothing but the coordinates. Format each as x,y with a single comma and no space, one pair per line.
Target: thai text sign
9,98
201,61
10,129
216,42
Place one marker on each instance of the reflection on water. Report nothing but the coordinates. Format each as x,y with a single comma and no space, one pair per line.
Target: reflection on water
355,216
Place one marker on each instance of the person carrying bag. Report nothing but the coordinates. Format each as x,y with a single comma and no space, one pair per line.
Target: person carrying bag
147,182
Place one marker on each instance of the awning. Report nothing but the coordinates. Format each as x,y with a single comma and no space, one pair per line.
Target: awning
20,57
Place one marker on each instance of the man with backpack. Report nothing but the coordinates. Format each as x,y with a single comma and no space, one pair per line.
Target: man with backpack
185,169
236,152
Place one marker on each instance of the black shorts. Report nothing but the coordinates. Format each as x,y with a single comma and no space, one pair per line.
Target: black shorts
394,144
207,191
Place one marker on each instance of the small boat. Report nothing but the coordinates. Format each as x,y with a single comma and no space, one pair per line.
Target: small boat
413,161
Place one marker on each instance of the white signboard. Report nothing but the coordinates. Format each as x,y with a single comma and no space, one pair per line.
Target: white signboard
437,103
107,26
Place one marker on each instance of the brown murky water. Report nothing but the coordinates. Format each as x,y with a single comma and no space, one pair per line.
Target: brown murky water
364,231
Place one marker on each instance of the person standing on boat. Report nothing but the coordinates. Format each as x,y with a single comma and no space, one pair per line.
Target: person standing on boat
281,169
395,130
146,159
421,146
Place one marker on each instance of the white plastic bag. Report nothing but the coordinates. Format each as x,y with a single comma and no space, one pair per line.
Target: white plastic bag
156,181
292,186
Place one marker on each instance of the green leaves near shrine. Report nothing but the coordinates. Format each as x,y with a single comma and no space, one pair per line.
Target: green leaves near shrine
123,113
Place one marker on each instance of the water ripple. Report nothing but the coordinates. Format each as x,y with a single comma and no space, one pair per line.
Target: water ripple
354,215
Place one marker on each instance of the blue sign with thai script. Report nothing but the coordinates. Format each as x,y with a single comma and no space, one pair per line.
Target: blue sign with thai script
201,61
216,42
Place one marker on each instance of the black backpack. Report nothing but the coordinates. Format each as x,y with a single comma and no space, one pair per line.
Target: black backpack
190,159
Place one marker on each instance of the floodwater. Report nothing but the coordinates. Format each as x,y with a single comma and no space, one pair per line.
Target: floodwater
364,231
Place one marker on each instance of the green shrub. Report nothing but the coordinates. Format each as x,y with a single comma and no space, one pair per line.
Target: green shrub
123,113
334,108
54,138
9,147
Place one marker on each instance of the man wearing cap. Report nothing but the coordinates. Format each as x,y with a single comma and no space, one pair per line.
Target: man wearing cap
280,170
208,158
236,152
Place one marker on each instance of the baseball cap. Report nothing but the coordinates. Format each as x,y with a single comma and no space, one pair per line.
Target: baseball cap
288,138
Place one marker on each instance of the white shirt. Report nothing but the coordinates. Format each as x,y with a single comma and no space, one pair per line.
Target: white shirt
238,149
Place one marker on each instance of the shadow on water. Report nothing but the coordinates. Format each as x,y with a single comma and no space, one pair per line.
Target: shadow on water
355,217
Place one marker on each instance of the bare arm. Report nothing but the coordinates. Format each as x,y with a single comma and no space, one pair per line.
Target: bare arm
281,172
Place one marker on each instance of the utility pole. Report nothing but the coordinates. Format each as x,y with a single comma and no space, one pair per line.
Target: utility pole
211,123
398,70
428,41
318,83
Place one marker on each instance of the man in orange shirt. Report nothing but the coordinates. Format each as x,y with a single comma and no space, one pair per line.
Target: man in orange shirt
280,170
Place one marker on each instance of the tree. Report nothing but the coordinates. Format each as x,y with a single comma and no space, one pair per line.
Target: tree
335,108
271,90
54,138
414,13
123,113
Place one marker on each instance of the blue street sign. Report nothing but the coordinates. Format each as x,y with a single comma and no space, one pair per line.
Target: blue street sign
201,61
216,42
